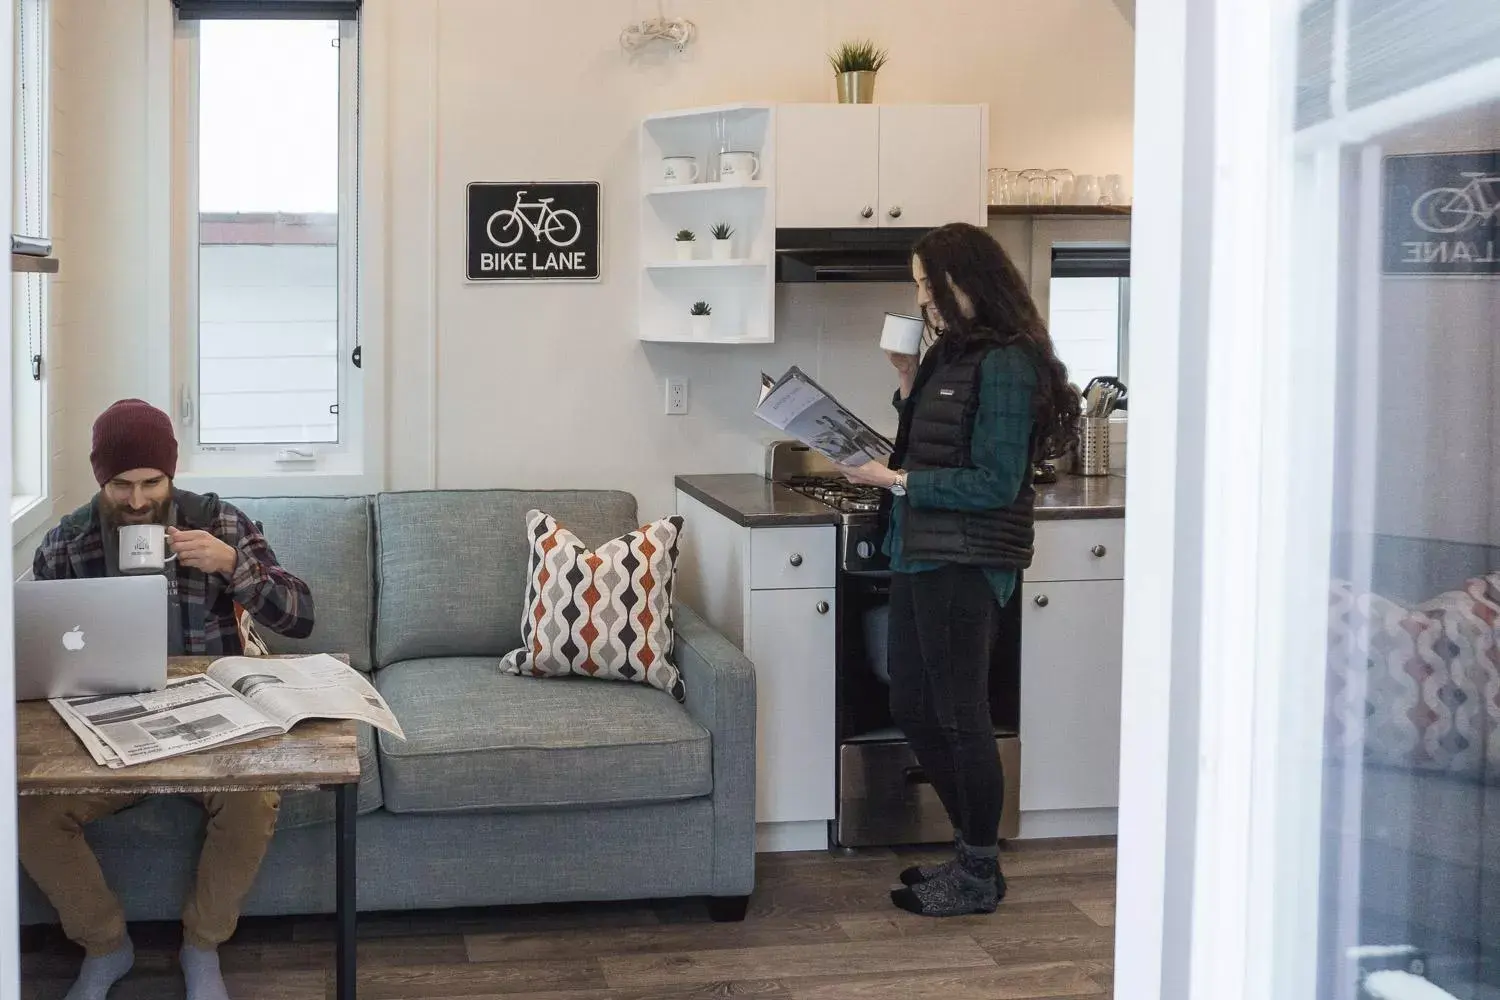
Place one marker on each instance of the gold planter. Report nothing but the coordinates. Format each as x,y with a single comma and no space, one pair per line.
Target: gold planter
856,88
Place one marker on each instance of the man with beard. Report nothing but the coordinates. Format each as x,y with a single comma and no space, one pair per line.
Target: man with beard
222,562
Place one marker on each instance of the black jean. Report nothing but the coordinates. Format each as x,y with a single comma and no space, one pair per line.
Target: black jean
943,629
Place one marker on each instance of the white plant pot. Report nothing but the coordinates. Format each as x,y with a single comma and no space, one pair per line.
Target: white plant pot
685,251
702,326
723,249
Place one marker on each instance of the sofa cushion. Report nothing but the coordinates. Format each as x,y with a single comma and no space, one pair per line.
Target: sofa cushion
326,542
299,809
602,612
452,565
477,739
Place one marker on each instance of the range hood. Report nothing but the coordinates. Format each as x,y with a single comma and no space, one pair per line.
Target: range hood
828,255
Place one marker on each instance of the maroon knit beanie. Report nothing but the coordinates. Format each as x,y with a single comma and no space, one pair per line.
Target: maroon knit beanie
133,434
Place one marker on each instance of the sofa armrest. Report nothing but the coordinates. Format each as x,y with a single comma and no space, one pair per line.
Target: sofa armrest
720,683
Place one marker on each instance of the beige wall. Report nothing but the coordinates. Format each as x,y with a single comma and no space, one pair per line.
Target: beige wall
546,385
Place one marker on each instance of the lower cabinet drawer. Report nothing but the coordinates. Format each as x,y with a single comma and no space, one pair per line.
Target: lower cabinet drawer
1078,550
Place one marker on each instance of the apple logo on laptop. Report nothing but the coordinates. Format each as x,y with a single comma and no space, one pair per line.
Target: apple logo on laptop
73,641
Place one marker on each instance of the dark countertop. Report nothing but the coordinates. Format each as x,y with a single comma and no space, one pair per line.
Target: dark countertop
754,502
1074,498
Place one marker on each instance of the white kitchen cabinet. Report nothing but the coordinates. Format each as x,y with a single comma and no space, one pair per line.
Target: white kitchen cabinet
1071,635
829,170
791,643
770,591
932,165
861,165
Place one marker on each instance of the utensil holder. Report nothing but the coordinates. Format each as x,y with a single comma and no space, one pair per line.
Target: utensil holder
1093,446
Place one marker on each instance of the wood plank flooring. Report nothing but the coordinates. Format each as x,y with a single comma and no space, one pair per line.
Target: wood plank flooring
820,928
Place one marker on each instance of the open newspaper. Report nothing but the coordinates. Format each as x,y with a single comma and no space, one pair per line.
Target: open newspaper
238,698
800,407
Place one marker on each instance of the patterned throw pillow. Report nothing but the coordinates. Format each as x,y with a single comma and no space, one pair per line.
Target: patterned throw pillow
606,613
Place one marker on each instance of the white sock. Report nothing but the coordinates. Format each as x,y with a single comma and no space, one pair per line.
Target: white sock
200,969
99,972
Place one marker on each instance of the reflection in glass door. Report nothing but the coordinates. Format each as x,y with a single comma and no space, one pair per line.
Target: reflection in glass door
1409,855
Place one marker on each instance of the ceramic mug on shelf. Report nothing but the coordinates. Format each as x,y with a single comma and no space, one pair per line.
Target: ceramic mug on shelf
680,170
738,167
902,334
143,548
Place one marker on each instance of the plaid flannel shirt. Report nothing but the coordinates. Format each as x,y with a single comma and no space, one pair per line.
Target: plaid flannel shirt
273,597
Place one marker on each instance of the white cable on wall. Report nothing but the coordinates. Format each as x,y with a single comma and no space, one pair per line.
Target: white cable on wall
676,31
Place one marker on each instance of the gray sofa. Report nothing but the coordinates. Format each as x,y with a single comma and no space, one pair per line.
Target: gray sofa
508,790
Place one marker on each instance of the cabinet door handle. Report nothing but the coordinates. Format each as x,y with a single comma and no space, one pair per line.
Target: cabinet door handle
1042,601
868,213
796,559
1099,551
822,607
896,212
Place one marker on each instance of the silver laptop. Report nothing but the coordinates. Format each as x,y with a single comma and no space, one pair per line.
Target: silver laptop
88,637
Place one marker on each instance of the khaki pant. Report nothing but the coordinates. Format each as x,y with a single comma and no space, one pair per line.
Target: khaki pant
58,858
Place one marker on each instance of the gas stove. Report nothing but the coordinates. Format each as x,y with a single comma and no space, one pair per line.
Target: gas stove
840,494
804,471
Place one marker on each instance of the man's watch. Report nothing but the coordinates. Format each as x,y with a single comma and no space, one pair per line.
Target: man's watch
898,488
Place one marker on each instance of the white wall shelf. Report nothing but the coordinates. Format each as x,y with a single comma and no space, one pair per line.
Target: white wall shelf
741,291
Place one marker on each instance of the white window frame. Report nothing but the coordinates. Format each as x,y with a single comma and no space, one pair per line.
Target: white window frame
1230,519
10,958
31,502
355,463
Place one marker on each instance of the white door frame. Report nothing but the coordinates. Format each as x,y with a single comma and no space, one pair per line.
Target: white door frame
10,969
1239,230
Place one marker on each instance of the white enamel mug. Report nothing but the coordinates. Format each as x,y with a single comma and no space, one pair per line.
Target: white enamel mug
680,170
738,167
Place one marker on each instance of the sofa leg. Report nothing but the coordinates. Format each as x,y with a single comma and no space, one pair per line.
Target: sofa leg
728,909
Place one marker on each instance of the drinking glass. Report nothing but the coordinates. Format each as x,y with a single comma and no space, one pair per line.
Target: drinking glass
999,181
1033,187
1063,183
1086,191
1112,190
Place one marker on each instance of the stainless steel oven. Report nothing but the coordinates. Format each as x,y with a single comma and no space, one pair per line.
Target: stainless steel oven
883,796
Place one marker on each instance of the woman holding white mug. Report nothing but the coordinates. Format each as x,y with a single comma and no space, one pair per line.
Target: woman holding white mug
988,399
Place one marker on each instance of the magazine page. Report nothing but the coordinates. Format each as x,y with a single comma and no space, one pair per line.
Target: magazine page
190,713
306,687
799,406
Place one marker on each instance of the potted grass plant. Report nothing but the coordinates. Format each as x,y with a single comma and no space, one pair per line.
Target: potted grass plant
700,315
686,239
723,244
854,66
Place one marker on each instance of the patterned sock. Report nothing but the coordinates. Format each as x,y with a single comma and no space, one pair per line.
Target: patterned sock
984,862
99,972
200,969
949,894
917,874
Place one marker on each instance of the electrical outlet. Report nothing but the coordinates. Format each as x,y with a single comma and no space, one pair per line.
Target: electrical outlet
677,396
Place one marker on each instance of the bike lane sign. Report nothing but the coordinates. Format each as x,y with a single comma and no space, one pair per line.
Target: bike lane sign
1441,214
533,231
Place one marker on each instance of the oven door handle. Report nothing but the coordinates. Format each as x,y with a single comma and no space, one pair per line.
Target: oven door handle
915,776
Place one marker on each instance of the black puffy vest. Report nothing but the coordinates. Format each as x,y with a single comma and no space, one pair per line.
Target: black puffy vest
936,429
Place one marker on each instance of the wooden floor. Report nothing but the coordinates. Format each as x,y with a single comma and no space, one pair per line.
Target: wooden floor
820,928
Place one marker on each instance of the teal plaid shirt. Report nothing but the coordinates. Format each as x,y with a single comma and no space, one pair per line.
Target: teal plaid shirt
1000,452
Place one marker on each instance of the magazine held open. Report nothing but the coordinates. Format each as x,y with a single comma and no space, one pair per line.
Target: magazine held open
800,407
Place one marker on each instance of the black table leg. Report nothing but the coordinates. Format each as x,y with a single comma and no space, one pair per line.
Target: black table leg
346,798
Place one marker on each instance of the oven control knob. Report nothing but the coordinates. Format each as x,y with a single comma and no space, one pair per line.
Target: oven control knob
796,559
865,550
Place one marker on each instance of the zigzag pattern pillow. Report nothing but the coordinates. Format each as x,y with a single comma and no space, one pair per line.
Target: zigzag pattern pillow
606,613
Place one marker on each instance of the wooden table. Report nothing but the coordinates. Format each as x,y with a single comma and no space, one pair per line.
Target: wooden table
317,755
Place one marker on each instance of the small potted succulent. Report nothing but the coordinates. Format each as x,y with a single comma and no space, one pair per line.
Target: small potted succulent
723,245
685,240
854,66
700,315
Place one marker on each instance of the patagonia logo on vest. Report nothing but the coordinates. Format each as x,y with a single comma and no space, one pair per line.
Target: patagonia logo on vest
945,392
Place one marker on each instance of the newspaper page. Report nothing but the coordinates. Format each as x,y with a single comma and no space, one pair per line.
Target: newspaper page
189,714
288,691
800,407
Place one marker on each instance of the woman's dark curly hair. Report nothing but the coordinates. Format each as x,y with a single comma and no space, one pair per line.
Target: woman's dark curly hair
1003,312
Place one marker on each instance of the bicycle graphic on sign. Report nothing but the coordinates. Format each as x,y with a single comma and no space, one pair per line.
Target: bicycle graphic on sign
1454,209
560,227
